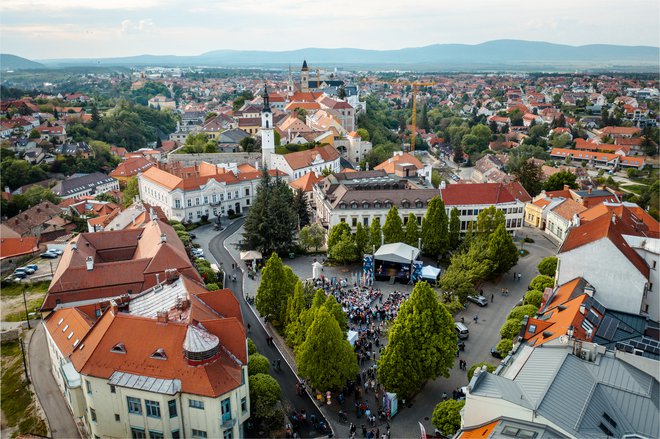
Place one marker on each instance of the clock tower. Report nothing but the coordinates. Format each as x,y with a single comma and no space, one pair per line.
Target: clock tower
267,133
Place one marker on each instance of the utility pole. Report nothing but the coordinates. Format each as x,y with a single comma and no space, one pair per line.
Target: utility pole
27,316
27,377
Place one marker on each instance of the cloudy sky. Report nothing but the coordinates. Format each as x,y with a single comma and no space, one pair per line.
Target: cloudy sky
42,29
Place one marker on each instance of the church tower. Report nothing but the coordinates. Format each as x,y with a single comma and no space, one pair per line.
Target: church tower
289,84
304,78
267,133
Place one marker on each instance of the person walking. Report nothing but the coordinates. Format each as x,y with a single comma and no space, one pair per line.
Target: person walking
492,297
476,318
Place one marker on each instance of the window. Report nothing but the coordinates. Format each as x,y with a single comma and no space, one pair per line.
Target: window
190,216
176,434
226,409
214,198
247,202
365,221
138,433
92,414
228,434
134,405
189,202
354,205
247,191
650,286
89,387
605,430
418,204
206,200
155,435
199,433
236,194
193,403
354,222
609,419
377,205
222,197
177,204
531,329
113,389
152,408
229,195
244,405
117,418
196,201
171,406
654,264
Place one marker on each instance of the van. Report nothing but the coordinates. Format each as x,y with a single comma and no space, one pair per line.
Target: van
462,330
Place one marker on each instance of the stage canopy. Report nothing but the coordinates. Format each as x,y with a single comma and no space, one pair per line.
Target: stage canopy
250,255
398,253
429,272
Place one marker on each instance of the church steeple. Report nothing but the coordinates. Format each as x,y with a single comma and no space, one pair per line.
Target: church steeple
267,133
304,67
304,77
266,108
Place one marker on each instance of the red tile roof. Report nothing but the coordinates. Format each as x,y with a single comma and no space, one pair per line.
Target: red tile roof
306,182
304,159
131,167
483,193
10,247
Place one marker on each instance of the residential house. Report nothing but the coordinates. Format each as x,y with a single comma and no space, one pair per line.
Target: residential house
489,169
297,164
130,168
536,212
32,222
306,184
85,184
78,149
559,218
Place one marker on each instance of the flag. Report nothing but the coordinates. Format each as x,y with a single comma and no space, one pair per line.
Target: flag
423,431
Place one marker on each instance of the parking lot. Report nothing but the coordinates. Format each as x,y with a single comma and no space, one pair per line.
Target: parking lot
45,269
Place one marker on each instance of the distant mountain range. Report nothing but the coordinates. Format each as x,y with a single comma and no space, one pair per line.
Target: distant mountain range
498,54
13,62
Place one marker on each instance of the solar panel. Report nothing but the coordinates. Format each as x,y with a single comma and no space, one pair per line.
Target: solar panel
607,329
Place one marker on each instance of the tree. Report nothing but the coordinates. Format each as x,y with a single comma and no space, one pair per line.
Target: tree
326,358
530,176
557,181
488,220
519,312
131,191
364,134
311,236
454,229
335,309
375,233
362,239
271,221
265,407
393,227
34,134
345,250
504,347
435,234
275,288
548,266
560,141
251,347
541,282
470,373
510,329
533,297
422,343
458,154
337,232
447,416
301,207
502,251
257,363
412,231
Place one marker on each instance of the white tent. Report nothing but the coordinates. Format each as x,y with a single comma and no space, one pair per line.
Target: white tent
317,267
352,337
398,252
429,272
250,255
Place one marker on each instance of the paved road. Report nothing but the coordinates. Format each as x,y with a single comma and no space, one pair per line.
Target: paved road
52,401
286,377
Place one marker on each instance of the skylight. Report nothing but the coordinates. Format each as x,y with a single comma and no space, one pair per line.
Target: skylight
119,348
159,354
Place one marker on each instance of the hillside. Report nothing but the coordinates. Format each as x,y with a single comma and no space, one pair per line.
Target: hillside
13,62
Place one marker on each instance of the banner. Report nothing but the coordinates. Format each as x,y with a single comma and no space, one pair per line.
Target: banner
368,269
417,271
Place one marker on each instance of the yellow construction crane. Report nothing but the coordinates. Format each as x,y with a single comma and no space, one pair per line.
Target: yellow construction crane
413,131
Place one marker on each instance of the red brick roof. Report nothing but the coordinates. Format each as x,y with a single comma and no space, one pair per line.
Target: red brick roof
131,167
306,182
10,247
483,193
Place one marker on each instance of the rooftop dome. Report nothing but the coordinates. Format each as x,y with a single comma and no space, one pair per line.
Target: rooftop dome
200,346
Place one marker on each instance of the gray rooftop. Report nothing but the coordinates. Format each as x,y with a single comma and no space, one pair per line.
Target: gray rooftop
78,184
141,382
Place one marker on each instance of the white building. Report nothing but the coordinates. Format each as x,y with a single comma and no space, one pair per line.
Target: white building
560,218
296,164
147,369
205,190
471,199
85,185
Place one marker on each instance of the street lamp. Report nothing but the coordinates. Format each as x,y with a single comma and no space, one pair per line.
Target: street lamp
27,316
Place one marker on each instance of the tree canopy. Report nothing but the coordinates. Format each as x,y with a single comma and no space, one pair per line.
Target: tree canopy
393,227
557,181
447,416
435,233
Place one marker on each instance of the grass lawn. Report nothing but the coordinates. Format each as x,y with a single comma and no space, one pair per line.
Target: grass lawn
635,188
17,404
33,305
16,288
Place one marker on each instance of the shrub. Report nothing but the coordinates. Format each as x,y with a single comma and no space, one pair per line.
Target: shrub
251,347
447,416
212,286
470,372
541,282
257,363
519,312
548,266
533,297
454,306
510,329
504,347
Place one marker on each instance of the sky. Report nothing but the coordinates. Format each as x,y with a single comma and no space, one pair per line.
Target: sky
47,29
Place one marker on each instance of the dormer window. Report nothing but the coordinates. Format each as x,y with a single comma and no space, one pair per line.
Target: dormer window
159,354
377,205
388,205
354,206
365,205
119,348
419,204
342,206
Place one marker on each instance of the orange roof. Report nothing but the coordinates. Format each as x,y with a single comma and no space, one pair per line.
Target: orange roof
304,105
568,208
632,215
304,159
554,322
479,432
10,247
306,182
389,164
163,178
67,327
131,167
542,202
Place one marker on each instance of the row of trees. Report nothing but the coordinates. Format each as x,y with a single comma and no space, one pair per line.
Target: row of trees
313,325
487,250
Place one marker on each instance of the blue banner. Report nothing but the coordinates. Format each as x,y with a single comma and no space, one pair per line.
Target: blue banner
368,269
417,271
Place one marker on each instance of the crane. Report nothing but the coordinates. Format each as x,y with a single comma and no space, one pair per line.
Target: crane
413,131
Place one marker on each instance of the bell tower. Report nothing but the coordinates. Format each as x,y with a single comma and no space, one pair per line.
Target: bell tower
304,78
267,133
289,84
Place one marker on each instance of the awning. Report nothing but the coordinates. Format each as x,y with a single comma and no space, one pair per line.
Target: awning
398,252
430,272
250,255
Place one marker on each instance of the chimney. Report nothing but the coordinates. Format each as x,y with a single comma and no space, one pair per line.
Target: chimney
157,278
583,309
566,187
163,238
74,246
614,219
162,316
443,185
90,263
171,274
590,190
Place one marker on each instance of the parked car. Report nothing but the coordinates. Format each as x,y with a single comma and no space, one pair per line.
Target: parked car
18,275
48,255
495,353
25,270
479,300
34,267
55,251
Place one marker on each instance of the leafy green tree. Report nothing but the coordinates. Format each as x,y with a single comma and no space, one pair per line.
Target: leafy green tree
131,191
337,232
502,251
447,416
265,407
326,358
412,230
271,221
301,207
393,227
363,133
344,250
548,266
510,329
489,367
488,220
296,331
275,288
311,236
335,309
465,270
257,363
541,282
375,233
34,134
454,229
534,297
296,304
422,343
557,181
251,347
435,232
362,240
504,347
530,177
518,312
213,286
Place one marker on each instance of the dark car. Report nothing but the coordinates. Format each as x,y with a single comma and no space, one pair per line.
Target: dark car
479,300
48,255
495,353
